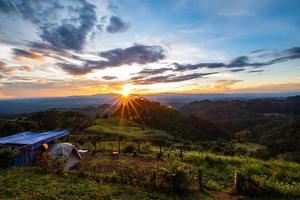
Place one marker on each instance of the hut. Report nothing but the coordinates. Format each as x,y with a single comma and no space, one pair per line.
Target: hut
29,143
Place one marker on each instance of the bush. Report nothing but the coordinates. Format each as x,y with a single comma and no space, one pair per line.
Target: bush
7,157
177,178
146,149
130,148
48,164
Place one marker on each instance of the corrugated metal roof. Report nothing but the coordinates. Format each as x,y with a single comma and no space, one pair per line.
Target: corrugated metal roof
34,139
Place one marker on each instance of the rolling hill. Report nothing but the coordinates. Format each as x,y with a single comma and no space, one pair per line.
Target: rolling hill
272,122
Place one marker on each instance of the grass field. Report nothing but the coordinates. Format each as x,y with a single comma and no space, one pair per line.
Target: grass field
280,178
126,128
30,183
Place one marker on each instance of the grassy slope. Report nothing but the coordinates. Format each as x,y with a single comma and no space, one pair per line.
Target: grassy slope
28,183
124,128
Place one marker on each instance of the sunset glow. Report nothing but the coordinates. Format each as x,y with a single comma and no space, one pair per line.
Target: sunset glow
195,47
125,92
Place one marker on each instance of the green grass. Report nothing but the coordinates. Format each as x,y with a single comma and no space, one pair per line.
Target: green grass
279,177
29,183
249,146
113,126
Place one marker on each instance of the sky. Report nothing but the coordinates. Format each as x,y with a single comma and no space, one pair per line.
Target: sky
85,47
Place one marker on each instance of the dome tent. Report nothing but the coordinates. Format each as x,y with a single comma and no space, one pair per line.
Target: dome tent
67,150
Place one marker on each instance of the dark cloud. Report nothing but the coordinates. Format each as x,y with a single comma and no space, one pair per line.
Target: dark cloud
53,52
244,61
185,67
7,6
74,69
240,61
292,53
59,30
20,53
109,77
256,71
148,71
168,78
140,54
69,35
117,25
257,51
237,70
137,54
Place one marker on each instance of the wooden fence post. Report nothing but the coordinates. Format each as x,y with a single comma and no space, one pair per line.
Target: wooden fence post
235,181
200,179
181,153
154,179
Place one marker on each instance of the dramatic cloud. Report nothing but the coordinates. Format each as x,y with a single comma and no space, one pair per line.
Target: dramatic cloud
116,25
69,36
137,54
109,77
244,61
74,69
59,30
20,54
168,78
225,84
140,54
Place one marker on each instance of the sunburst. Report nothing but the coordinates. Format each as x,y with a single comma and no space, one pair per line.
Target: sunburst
125,104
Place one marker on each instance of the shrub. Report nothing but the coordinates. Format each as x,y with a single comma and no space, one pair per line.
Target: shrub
176,177
49,164
130,148
146,149
7,157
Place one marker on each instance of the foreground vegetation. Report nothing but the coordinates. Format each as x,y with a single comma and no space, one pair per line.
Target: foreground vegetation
131,177
31,183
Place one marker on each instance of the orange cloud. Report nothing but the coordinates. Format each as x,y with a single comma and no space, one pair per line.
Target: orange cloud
4,69
23,55
225,84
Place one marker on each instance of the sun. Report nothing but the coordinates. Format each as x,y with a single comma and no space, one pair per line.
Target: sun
125,92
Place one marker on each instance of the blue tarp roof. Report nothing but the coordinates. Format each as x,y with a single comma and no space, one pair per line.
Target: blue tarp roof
33,139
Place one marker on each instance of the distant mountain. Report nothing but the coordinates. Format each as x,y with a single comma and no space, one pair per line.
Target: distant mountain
240,109
273,122
180,99
17,106
13,107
